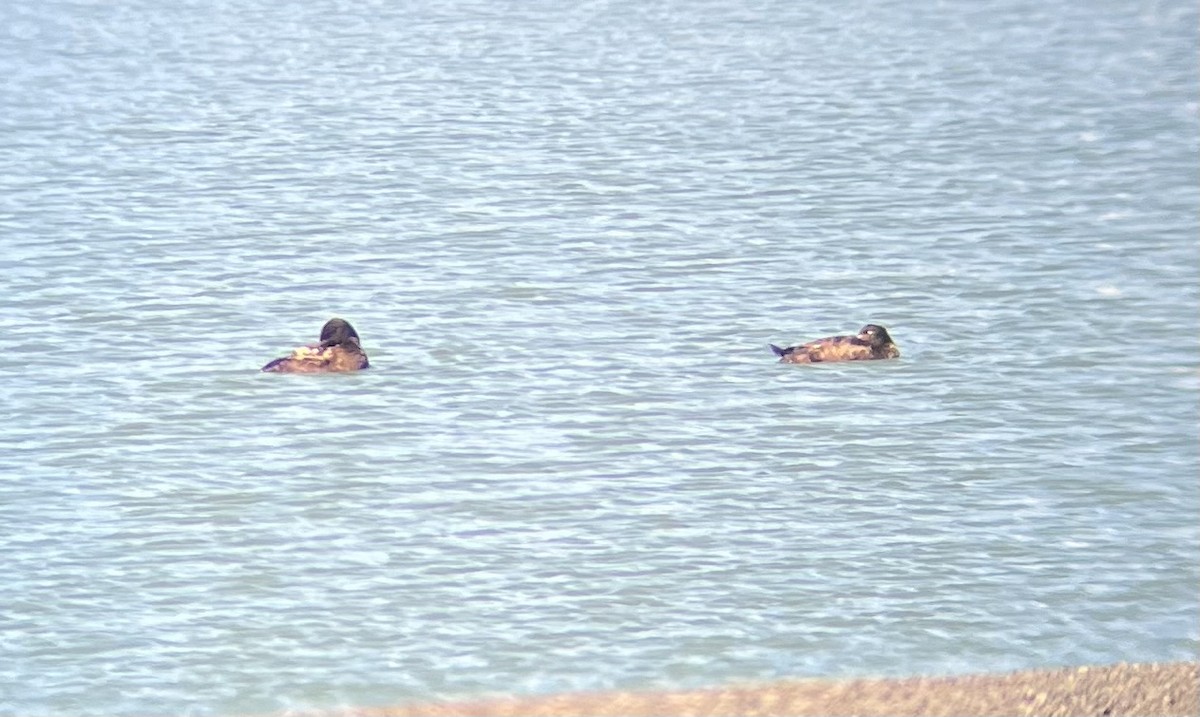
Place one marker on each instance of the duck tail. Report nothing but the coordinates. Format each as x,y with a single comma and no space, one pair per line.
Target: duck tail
778,351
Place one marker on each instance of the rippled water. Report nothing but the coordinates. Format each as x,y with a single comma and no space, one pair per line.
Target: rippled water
566,233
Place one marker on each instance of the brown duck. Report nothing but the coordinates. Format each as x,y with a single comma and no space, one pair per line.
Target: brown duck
339,350
871,343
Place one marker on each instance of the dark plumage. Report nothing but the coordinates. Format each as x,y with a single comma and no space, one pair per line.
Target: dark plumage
339,350
871,343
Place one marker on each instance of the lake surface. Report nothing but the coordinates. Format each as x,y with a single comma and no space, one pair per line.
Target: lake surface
566,233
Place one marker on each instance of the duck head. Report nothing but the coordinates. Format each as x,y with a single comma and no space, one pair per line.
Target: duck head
874,335
338,331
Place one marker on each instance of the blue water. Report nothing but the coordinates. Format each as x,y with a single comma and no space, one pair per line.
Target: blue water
566,233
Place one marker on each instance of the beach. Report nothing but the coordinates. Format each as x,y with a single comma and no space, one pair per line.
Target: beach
1167,688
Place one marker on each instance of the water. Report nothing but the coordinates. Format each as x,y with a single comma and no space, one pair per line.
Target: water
566,233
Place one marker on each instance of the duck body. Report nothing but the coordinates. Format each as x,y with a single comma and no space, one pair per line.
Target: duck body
339,351
872,343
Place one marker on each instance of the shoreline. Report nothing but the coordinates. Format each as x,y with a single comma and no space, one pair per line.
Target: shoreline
1157,688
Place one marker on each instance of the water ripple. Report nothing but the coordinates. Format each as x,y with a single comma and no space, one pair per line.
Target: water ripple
567,235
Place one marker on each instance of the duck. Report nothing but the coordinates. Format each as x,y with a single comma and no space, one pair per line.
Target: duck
339,350
871,343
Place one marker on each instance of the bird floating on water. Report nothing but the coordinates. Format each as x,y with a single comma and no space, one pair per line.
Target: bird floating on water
338,350
871,343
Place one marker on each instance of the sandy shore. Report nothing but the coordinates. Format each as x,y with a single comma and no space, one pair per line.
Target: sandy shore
1171,688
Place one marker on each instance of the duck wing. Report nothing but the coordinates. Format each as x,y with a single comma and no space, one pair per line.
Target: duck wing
306,359
832,348
840,348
